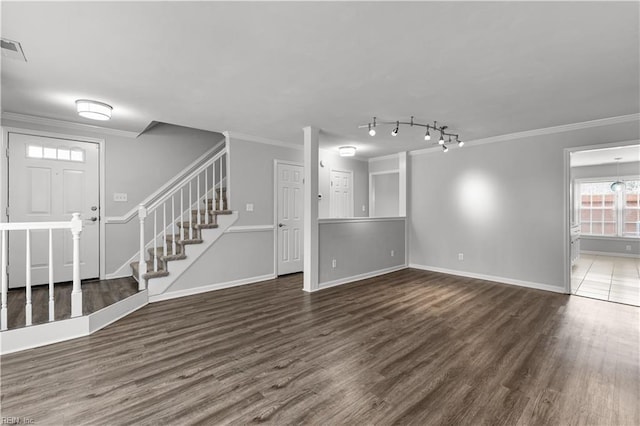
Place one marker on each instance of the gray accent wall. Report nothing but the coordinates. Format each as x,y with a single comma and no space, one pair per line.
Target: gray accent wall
359,247
136,166
500,204
360,171
385,193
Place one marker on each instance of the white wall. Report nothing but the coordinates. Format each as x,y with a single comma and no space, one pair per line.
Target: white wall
360,247
500,204
138,167
608,244
333,161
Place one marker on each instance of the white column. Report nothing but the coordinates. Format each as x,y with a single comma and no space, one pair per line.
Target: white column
402,179
311,143
76,292
142,261
3,279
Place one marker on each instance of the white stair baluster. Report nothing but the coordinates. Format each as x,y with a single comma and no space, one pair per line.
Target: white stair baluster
164,230
206,190
173,224
5,285
27,308
221,206
198,219
181,231
190,215
155,240
213,181
76,292
142,261
52,316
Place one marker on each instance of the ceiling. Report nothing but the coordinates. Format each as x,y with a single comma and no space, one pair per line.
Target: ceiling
626,154
270,68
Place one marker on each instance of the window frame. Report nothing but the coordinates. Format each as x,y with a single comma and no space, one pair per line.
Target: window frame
619,206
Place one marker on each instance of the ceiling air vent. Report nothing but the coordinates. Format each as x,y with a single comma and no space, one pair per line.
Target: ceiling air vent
12,49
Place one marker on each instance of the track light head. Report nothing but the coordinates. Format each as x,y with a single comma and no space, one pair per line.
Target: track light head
460,143
444,148
441,140
395,131
427,136
372,130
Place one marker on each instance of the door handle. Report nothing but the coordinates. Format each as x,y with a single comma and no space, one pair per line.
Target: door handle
280,225
93,219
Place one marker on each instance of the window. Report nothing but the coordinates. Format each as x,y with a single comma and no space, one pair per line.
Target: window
604,212
37,151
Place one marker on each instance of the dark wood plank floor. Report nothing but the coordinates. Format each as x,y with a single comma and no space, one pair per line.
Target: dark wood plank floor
410,347
96,294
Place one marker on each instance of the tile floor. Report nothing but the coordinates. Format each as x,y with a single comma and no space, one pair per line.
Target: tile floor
616,279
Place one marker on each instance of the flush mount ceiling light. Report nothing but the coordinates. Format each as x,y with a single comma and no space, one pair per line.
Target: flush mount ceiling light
618,185
427,136
347,151
93,109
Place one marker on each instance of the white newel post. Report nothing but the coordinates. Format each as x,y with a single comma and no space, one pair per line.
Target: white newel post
76,293
142,263
5,288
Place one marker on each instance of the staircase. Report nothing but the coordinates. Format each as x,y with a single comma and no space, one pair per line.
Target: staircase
184,222
189,233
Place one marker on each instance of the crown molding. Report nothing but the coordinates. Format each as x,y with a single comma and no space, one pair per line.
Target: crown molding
32,119
260,139
539,132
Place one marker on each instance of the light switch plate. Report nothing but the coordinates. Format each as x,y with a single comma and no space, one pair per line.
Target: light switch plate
249,207
120,197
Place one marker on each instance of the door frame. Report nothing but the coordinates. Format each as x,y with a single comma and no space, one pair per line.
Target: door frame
276,162
566,208
4,173
351,198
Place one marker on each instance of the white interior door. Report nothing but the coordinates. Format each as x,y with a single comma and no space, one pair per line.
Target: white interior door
290,218
341,193
49,179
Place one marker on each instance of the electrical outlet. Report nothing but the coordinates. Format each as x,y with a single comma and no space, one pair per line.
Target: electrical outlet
120,197
393,253
460,256
333,263
364,209
249,207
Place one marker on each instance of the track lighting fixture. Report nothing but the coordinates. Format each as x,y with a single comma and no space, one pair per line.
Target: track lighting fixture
427,135
394,132
372,129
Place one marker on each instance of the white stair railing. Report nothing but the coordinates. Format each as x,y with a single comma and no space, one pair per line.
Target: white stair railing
75,226
206,183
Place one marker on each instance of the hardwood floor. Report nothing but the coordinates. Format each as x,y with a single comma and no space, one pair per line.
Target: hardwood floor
411,347
96,294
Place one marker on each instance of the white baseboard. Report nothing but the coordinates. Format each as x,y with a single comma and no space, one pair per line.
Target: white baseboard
210,287
502,280
121,309
612,254
359,277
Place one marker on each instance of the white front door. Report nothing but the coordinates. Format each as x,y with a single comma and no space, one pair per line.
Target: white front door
290,218
341,194
49,179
